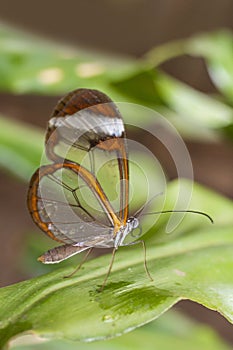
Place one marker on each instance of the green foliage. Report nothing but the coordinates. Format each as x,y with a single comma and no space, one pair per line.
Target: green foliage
195,262
29,65
217,49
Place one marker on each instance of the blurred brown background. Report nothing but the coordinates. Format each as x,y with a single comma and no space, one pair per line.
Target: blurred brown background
125,27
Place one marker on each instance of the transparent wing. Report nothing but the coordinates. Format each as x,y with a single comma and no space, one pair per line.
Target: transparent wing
65,201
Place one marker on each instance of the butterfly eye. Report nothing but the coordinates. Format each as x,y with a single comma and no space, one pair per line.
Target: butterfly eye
134,222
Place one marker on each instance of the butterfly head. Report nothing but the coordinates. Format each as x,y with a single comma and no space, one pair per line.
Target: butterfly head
132,223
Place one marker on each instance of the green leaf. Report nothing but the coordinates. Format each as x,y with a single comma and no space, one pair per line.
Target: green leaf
171,328
191,105
217,49
197,111
194,262
21,147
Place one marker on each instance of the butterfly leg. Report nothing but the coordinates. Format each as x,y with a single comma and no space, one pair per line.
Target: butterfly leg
109,269
81,263
145,263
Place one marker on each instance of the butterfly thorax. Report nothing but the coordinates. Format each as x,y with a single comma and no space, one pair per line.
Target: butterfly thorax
124,230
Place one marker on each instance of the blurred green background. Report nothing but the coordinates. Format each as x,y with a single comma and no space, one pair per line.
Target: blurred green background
113,46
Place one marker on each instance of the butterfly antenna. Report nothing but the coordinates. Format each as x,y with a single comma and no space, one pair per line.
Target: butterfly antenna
182,211
138,212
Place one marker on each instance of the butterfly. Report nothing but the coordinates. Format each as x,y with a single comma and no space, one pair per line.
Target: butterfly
81,198
65,198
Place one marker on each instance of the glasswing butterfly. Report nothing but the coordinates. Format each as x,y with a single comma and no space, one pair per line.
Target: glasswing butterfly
81,199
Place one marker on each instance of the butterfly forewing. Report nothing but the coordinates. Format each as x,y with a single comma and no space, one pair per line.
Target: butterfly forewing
95,138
